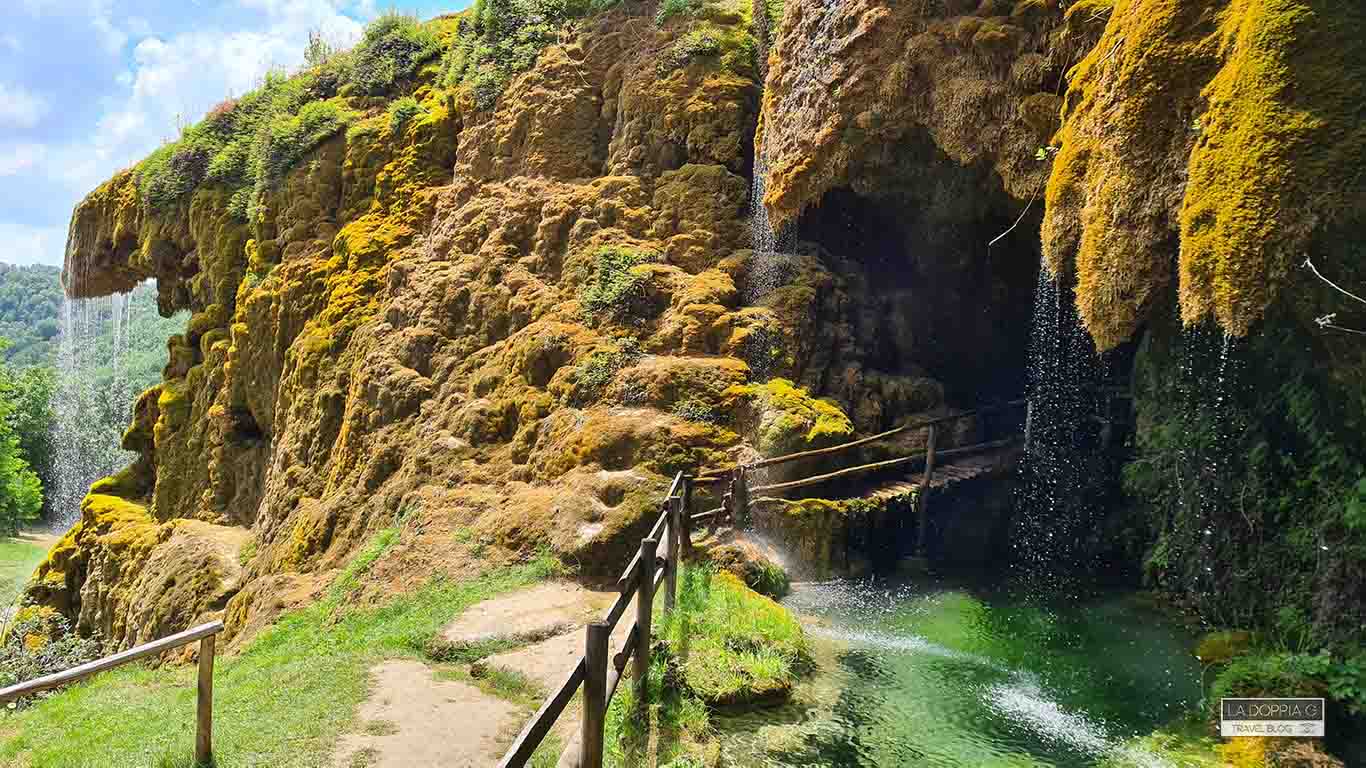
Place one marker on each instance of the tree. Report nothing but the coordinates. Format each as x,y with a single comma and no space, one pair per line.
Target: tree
21,492
29,393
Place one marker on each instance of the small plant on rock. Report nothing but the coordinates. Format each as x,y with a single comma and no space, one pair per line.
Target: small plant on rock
595,373
617,291
402,112
38,644
669,9
697,409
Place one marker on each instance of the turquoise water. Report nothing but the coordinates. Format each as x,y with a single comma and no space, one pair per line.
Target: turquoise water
922,675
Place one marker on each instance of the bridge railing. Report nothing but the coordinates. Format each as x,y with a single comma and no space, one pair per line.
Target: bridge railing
597,673
740,495
204,634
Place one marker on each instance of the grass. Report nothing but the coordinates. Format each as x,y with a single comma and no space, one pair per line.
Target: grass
17,560
282,702
723,644
733,645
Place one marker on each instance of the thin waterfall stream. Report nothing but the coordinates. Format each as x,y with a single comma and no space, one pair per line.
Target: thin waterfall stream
110,349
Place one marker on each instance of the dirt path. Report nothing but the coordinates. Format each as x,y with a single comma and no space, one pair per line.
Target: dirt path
414,719
44,539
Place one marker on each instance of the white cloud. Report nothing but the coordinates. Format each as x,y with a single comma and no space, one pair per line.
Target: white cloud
21,108
22,244
174,80
12,42
102,18
17,158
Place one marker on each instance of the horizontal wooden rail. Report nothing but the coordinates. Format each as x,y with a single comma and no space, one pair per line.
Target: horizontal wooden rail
540,724
875,466
717,475
76,674
203,634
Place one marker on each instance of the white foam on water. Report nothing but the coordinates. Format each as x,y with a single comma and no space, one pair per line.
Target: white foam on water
1023,701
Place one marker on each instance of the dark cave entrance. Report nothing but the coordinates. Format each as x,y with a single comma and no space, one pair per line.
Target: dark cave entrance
935,299
932,295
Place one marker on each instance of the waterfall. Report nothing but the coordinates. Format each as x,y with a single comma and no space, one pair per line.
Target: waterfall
107,353
1059,471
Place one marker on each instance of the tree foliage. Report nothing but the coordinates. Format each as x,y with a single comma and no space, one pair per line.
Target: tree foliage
30,300
21,492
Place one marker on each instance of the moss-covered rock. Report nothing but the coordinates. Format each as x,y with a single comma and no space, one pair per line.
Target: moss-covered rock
1217,131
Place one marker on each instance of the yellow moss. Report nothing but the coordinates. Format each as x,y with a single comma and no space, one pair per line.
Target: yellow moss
790,418
1244,752
1218,647
1282,148
1258,100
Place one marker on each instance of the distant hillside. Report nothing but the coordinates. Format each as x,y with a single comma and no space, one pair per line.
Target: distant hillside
30,300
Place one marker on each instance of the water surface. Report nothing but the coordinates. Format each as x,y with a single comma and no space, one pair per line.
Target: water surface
917,674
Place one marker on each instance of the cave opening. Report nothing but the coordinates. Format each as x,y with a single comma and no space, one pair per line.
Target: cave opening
933,297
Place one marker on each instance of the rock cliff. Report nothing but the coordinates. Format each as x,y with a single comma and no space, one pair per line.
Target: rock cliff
510,289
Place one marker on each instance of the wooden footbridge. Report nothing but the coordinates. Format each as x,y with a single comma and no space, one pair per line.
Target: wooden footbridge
917,475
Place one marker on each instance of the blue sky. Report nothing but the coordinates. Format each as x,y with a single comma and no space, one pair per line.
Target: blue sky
88,87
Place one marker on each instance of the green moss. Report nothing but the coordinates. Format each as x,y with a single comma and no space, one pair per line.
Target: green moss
789,418
617,290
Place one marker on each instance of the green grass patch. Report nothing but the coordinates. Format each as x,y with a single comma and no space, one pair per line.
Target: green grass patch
734,646
18,559
282,702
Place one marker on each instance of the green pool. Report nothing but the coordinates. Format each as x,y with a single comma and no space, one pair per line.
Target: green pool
921,674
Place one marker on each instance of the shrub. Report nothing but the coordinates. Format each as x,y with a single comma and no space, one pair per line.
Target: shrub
402,112
393,48
669,9
696,44
1342,679
38,644
595,373
505,38
616,291
697,409
287,139
171,173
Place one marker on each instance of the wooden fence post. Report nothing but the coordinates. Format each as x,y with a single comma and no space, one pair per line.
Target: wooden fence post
675,552
739,489
594,694
922,499
645,602
687,516
203,739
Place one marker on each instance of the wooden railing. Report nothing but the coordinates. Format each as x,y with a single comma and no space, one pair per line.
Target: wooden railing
595,672
740,495
205,634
